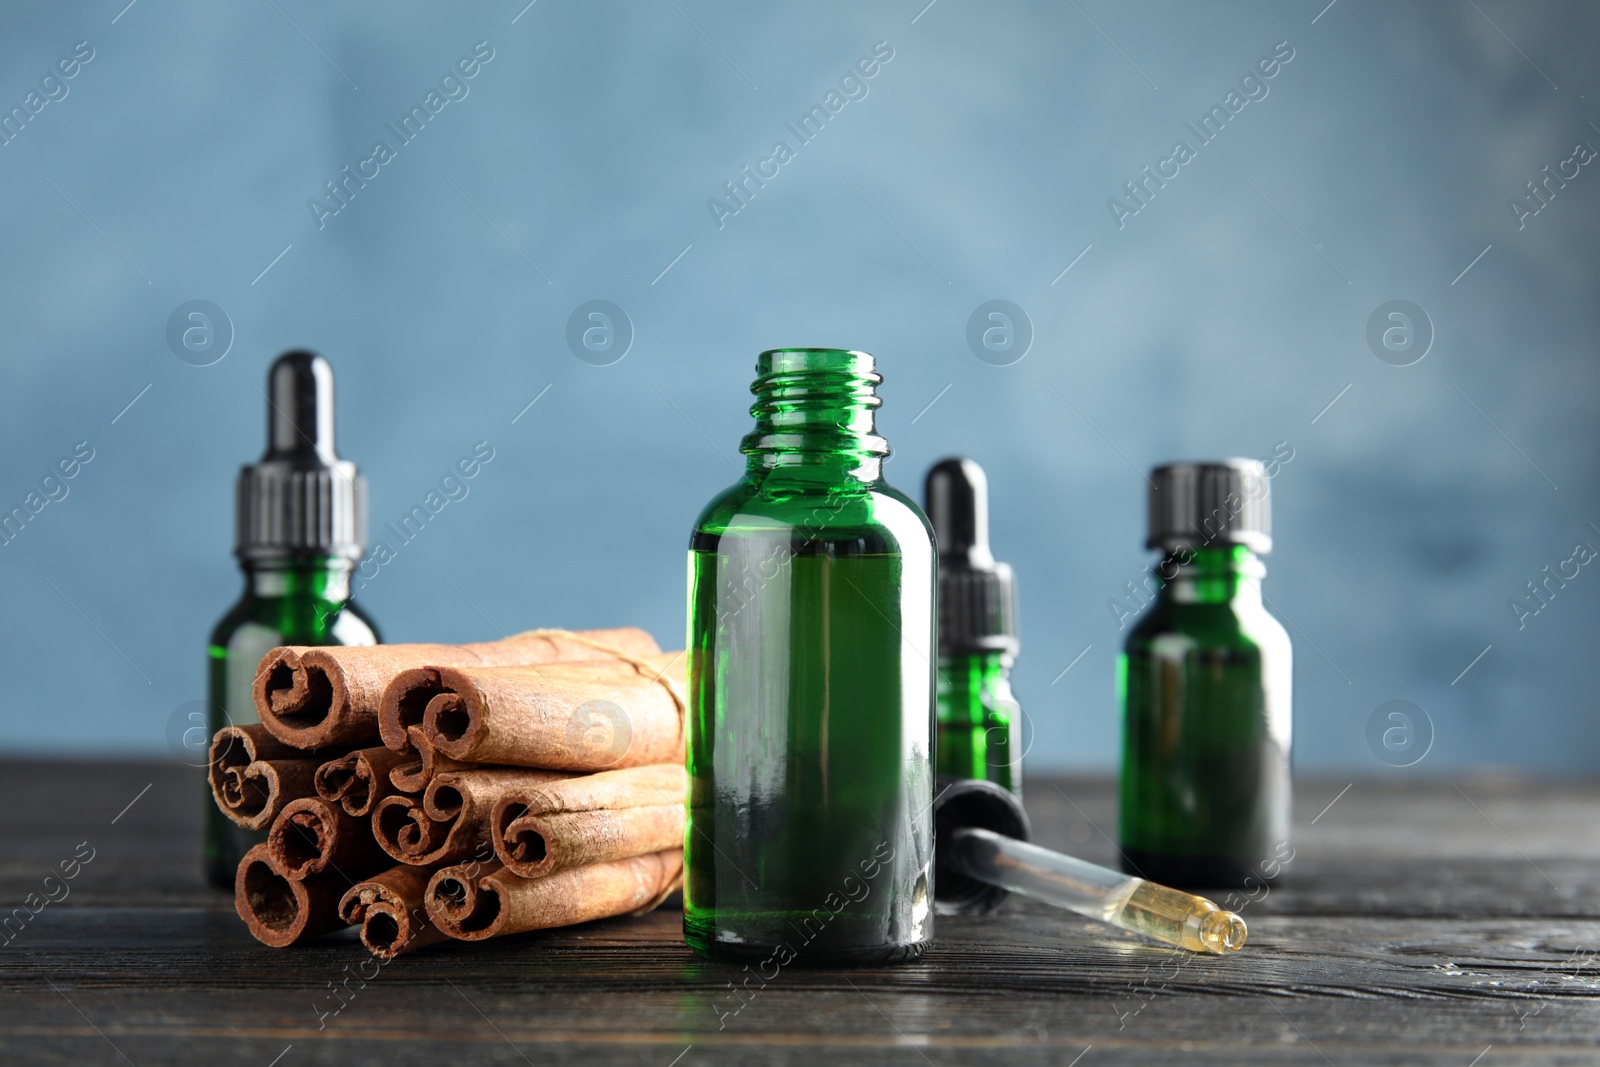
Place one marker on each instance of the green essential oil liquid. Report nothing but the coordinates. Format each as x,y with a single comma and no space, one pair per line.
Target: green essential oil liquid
811,690
980,721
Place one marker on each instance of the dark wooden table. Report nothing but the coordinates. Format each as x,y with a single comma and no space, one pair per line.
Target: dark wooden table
1453,923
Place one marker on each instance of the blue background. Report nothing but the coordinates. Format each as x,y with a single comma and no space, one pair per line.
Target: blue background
1221,319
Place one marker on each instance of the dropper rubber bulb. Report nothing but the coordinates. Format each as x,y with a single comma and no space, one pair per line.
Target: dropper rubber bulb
957,494
300,409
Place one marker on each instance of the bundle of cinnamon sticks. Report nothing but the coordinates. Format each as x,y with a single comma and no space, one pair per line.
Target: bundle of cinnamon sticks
425,792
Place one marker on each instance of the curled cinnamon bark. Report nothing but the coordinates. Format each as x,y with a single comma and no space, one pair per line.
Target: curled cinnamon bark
281,911
314,697
590,819
590,716
451,820
420,761
489,901
390,911
311,836
357,781
253,775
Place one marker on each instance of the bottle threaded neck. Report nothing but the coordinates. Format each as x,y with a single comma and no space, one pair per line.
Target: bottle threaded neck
815,401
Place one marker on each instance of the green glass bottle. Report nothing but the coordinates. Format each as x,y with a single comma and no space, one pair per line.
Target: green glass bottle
300,527
811,632
1205,685
980,722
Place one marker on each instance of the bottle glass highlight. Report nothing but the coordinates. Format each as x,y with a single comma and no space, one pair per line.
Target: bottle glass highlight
811,632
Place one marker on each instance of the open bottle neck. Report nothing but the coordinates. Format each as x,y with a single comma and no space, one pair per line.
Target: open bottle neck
814,415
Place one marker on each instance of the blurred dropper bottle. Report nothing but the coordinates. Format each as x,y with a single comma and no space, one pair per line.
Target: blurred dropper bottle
300,522
1205,682
979,721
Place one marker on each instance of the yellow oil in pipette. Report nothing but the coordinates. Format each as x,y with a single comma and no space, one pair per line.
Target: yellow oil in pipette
1180,918
1155,911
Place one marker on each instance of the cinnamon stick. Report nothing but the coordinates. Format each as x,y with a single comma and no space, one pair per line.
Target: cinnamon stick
311,836
253,774
491,901
281,911
590,819
451,820
313,697
389,909
358,780
420,762
591,716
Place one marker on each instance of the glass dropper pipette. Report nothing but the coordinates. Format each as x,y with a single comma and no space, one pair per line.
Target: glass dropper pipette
1169,915
982,855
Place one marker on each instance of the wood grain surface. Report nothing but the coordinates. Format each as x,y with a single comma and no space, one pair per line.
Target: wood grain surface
1422,921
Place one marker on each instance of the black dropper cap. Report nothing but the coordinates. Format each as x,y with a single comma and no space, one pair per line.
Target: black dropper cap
1210,504
971,804
300,500
977,596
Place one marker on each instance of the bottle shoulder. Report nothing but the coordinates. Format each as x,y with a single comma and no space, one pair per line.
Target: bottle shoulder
720,509
353,626
253,619
240,615
1229,624
807,509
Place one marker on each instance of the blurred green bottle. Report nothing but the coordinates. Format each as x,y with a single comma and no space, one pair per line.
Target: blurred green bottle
980,722
1205,686
811,637
301,515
